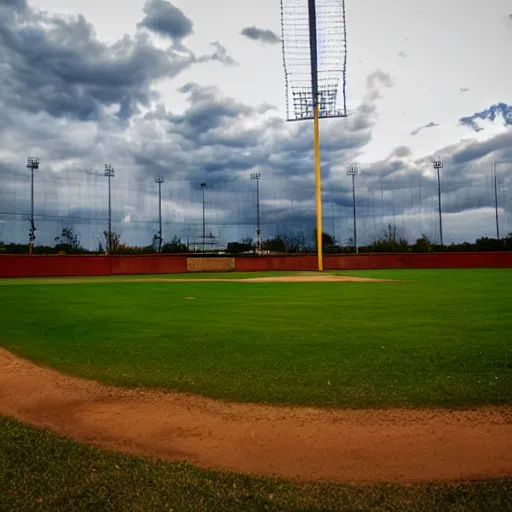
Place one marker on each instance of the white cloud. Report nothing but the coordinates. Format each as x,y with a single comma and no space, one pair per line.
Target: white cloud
170,132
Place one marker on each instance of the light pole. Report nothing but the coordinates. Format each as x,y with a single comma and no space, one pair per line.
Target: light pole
203,186
353,170
257,177
33,163
494,165
159,180
109,173
438,164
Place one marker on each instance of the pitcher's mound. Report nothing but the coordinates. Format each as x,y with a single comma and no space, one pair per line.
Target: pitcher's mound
315,278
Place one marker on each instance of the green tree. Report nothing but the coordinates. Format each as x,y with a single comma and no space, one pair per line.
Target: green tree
423,244
244,246
115,241
329,243
67,241
174,246
389,241
508,242
490,244
274,245
295,244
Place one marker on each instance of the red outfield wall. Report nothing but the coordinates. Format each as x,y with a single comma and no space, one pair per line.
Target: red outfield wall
437,260
60,266
262,263
377,261
53,266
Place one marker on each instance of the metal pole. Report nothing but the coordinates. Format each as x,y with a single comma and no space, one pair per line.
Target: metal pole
32,196
109,217
203,186
440,208
160,215
33,163
353,170
354,201
159,180
204,231
258,232
109,173
31,210
496,202
257,177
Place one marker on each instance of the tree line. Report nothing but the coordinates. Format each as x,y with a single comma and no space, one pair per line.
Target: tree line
69,243
390,241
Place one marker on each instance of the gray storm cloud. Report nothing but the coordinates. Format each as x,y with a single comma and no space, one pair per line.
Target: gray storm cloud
78,103
167,20
260,34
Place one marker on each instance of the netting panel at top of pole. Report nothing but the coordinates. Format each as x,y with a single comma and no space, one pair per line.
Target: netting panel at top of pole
331,51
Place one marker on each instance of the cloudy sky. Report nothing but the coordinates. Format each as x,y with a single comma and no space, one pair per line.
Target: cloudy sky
194,91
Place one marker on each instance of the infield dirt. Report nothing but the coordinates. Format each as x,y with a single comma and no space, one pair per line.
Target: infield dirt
304,278
318,278
363,446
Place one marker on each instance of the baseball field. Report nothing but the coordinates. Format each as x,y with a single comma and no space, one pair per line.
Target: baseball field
381,390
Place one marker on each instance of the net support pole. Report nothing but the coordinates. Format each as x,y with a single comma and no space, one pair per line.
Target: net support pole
31,246
496,211
440,207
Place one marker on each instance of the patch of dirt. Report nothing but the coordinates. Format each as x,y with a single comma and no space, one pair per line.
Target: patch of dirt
316,279
272,279
304,278
363,446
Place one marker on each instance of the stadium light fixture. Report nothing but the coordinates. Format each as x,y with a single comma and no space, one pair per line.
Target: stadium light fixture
315,60
32,163
257,177
203,186
353,170
159,180
438,164
109,173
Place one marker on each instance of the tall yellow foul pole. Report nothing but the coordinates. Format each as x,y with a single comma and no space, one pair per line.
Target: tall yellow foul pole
315,100
316,107
318,181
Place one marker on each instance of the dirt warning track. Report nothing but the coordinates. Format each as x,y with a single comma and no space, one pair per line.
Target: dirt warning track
345,445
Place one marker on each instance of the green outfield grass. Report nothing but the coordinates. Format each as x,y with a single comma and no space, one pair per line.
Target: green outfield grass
441,339
42,472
